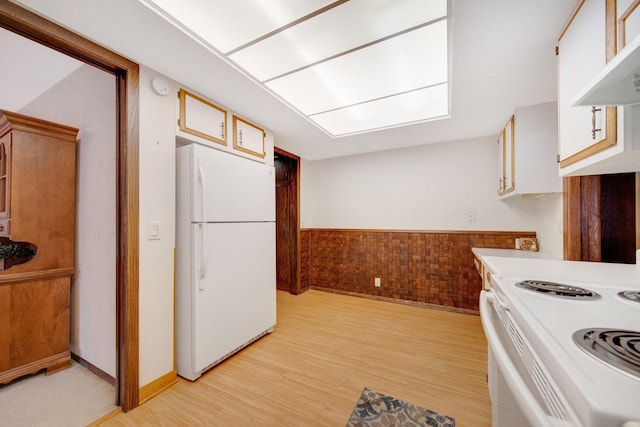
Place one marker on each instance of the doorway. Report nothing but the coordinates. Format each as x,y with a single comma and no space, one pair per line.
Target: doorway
125,72
287,167
600,218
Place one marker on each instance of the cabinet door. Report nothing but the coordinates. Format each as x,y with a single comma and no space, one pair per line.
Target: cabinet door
248,137
201,118
5,179
509,141
501,173
583,52
506,159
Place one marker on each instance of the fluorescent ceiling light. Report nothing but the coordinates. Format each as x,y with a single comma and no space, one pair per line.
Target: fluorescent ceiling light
348,66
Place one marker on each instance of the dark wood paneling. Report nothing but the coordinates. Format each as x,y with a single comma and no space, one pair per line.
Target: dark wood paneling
432,267
571,219
590,219
287,168
618,218
600,218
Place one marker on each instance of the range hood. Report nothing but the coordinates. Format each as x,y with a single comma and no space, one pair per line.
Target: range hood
619,81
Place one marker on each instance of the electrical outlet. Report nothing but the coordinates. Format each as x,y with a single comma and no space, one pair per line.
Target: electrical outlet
471,216
376,282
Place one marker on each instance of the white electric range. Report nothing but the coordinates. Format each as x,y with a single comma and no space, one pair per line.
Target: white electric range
543,369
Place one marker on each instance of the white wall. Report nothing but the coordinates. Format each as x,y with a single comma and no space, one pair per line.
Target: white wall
157,203
430,187
86,100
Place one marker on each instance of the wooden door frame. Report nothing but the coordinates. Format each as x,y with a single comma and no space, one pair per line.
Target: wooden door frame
295,289
40,30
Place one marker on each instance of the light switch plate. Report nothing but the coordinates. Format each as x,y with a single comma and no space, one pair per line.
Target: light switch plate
154,230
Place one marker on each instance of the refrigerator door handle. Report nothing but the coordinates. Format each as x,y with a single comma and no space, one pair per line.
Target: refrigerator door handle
203,183
203,254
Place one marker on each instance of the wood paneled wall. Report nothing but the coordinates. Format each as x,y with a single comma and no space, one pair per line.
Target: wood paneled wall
600,218
431,267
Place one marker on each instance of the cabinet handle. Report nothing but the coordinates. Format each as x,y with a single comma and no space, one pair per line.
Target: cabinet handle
1,227
222,130
594,110
240,138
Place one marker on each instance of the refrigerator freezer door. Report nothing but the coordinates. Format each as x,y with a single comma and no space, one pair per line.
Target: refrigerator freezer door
228,188
235,298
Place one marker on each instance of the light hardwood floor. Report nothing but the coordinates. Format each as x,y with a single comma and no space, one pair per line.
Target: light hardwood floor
311,370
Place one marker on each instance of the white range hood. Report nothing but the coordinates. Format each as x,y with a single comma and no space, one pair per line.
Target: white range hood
619,81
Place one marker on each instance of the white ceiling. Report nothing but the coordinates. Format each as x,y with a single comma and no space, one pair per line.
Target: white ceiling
503,58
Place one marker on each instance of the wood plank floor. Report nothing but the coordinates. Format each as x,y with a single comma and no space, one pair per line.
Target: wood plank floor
311,370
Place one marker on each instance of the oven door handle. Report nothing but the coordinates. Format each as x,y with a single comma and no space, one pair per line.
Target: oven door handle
528,403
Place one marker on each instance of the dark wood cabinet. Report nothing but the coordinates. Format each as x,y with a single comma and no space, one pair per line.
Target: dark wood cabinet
37,210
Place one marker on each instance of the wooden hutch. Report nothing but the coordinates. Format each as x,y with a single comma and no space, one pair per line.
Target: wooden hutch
37,216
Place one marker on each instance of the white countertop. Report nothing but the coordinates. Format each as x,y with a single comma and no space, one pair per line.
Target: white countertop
538,265
511,253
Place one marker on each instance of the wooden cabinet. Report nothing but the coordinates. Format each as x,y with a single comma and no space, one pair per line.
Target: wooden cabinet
527,150
248,137
505,159
202,118
205,123
593,139
37,206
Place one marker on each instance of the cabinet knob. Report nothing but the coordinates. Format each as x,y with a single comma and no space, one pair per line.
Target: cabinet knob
594,110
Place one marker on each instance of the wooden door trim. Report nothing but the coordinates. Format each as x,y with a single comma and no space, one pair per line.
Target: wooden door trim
296,287
40,30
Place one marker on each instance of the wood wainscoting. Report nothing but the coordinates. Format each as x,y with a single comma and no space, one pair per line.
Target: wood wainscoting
429,267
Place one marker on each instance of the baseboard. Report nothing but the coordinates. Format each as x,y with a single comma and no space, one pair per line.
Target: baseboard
157,386
106,417
94,369
398,301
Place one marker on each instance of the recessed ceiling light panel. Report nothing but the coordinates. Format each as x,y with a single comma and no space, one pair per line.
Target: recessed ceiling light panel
348,66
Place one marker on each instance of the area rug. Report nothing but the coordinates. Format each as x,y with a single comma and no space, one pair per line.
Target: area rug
377,410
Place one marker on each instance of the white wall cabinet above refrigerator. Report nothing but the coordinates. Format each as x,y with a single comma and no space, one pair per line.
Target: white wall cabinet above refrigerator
204,122
527,152
593,139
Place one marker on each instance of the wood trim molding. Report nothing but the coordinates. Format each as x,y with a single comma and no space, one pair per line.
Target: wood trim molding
611,28
397,301
622,24
94,369
40,30
158,386
375,230
570,21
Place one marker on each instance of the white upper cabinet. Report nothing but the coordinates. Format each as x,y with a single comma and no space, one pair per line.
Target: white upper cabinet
593,139
527,147
248,137
617,82
202,118
201,121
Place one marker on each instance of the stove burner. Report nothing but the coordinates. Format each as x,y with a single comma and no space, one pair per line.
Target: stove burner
557,289
617,348
633,296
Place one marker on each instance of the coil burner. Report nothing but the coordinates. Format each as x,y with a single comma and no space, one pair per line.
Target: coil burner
557,289
615,347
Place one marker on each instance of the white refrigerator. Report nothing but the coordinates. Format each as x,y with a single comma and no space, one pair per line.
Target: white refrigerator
225,256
